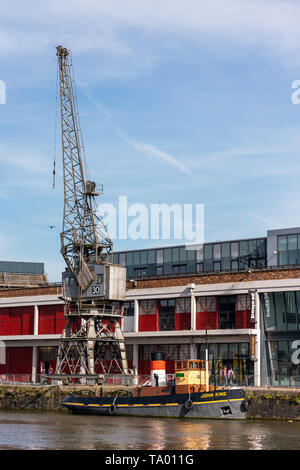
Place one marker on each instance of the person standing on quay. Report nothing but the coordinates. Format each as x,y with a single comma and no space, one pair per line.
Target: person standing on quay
224,375
230,376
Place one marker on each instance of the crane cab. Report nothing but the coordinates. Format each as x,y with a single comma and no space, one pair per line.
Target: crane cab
108,282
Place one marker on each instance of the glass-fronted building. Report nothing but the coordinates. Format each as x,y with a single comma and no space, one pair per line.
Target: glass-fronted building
280,315
210,257
278,248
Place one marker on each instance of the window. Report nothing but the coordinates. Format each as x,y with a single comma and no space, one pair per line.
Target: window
225,250
234,265
206,304
147,307
280,310
140,272
252,248
234,247
225,264
244,250
208,266
122,259
190,254
199,253
261,248
129,259
183,305
179,268
128,309
217,266
175,254
208,251
168,255
242,302
159,270
292,242
200,267
136,257
159,256
291,310
151,257
226,312
293,257
182,254
217,251
283,258
261,262
144,257
166,311
282,243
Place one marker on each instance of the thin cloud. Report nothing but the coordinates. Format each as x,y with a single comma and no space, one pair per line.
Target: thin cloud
271,26
31,163
144,147
266,221
151,150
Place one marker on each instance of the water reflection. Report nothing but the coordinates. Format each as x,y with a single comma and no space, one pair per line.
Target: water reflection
25,430
158,435
256,436
182,435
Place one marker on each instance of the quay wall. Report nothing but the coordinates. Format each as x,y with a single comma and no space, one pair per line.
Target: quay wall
265,403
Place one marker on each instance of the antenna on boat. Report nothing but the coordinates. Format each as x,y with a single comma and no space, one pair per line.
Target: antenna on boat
206,359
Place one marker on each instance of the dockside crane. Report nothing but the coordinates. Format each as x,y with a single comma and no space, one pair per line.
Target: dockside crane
93,288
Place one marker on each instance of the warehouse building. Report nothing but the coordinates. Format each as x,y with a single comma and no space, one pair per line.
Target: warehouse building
239,299
21,274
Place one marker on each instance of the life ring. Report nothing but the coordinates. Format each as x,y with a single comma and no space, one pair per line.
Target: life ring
51,370
188,404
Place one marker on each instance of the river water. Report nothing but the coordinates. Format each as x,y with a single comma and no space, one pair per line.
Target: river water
48,431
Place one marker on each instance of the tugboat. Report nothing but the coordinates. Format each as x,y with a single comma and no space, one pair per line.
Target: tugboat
188,395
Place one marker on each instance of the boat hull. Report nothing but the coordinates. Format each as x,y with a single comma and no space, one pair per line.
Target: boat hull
219,404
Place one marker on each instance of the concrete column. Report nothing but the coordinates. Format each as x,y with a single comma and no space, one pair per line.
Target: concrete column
257,363
135,358
192,351
136,316
34,364
36,320
193,307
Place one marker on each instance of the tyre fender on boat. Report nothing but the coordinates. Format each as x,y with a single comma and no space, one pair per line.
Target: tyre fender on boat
112,409
246,403
188,404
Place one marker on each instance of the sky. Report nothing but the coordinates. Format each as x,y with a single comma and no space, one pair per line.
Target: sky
180,102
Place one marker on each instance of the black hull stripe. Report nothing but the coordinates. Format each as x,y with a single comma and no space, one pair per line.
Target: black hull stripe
107,405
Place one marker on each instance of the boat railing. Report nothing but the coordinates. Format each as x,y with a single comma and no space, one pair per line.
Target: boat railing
280,381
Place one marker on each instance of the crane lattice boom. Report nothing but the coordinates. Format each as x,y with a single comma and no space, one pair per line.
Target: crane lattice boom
84,239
